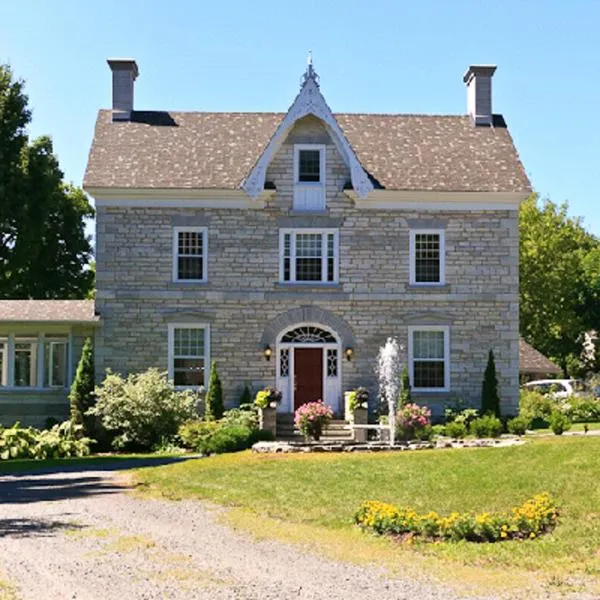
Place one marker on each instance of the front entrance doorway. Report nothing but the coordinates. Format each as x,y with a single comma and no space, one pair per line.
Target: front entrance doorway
308,375
309,367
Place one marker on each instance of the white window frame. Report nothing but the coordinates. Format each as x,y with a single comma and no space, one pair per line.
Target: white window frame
322,163
293,232
446,330
34,369
413,257
171,351
4,372
176,232
48,370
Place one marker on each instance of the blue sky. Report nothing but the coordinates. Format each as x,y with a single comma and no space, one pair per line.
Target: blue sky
376,56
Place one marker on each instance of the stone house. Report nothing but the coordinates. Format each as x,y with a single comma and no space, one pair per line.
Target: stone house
288,246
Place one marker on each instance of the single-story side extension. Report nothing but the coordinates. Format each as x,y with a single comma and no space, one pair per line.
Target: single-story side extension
534,365
40,346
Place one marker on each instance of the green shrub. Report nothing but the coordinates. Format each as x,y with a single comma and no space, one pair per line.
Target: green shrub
213,408
438,430
405,395
142,409
229,439
584,409
519,425
456,429
424,434
490,401
194,433
244,417
486,427
559,423
246,397
60,441
81,395
459,413
536,407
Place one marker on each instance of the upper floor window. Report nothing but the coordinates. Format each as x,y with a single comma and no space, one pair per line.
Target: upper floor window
429,357
190,249
309,255
309,177
427,257
188,354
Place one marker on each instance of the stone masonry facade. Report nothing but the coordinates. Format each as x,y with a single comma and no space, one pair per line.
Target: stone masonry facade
243,298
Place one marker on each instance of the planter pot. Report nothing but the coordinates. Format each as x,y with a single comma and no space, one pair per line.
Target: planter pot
268,419
360,417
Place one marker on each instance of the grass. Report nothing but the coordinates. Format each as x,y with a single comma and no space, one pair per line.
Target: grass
319,493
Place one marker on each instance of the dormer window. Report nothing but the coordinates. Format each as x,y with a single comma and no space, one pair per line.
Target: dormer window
309,177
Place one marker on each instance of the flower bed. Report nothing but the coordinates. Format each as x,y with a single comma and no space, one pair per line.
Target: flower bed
536,516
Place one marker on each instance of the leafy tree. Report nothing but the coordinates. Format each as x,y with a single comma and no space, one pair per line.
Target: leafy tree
559,280
44,251
490,401
81,396
214,396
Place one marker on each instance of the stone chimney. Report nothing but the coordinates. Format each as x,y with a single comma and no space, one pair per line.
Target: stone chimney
479,93
124,73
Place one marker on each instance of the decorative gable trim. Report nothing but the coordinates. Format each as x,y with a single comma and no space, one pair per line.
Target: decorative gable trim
309,101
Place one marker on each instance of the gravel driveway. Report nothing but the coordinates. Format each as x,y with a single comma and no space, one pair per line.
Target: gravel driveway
80,534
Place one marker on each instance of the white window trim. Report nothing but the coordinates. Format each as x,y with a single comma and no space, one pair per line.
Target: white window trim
36,352
446,330
176,232
412,257
171,351
4,353
322,156
324,233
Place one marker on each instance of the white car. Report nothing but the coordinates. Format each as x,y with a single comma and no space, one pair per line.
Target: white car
559,388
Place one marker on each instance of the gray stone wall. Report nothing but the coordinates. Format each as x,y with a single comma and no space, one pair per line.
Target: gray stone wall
137,298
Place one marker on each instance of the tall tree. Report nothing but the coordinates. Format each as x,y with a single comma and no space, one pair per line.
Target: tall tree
490,401
559,280
44,252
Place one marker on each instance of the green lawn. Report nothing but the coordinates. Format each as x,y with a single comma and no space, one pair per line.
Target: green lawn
322,491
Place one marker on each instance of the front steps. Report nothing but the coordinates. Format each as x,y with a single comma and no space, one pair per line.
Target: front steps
336,431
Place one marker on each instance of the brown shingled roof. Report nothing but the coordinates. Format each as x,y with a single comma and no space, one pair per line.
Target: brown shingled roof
49,311
534,362
194,150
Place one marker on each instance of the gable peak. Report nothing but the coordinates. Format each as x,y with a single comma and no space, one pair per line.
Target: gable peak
310,74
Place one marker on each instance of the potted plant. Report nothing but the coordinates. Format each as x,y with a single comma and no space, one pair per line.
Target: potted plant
311,418
358,405
267,401
413,421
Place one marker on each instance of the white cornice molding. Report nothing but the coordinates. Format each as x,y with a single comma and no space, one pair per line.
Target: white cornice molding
309,101
403,200
177,198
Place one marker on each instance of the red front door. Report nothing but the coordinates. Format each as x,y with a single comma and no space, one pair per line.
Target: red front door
308,375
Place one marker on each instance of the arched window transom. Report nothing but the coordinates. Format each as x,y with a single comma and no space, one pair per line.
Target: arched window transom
308,334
